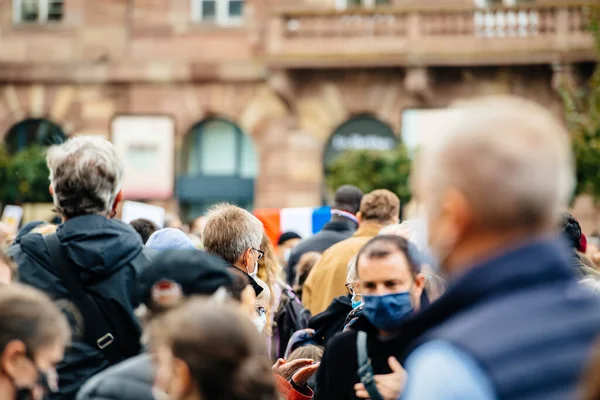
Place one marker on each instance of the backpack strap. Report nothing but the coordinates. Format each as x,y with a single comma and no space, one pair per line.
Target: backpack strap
365,370
97,330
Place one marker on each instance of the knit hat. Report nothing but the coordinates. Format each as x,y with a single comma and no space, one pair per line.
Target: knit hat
285,236
175,274
169,238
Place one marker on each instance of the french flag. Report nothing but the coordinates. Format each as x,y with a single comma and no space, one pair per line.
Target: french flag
305,221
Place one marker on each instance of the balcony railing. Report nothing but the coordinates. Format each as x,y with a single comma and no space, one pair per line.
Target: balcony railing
534,33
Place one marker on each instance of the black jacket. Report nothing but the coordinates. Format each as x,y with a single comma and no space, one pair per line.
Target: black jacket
129,380
107,255
332,233
337,374
331,321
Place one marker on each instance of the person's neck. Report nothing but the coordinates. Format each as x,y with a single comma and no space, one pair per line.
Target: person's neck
7,391
480,246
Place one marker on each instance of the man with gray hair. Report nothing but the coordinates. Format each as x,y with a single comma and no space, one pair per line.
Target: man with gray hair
514,322
90,250
235,235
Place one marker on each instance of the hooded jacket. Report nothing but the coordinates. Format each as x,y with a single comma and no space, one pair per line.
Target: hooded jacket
107,256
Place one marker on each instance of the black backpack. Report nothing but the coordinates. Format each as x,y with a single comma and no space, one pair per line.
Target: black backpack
291,316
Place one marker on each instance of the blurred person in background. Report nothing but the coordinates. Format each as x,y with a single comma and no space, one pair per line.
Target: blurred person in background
285,244
343,224
6,236
285,313
33,336
327,279
235,235
45,229
593,249
8,269
514,322
173,221
172,277
332,321
571,230
303,268
145,228
168,239
391,284
90,250
209,351
197,226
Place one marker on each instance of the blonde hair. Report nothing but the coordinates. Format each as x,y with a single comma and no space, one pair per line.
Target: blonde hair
269,271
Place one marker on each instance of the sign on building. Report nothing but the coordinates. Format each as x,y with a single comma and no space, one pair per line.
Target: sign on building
146,146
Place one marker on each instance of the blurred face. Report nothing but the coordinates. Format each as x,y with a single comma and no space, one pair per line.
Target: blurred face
172,379
285,249
5,274
36,377
388,275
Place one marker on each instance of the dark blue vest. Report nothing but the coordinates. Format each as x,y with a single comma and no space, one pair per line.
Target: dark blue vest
524,318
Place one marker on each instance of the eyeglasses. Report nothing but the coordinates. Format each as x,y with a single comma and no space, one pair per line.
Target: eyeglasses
261,253
350,288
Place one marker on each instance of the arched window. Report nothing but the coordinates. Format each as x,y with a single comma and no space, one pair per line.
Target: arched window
359,133
219,163
33,131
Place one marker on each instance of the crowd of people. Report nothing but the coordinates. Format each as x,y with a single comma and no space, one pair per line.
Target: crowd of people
493,292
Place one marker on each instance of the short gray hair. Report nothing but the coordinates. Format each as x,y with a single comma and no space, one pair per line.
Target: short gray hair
230,231
510,157
85,175
352,276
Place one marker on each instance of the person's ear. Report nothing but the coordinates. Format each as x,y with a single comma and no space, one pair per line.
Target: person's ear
118,201
359,217
247,258
50,190
11,357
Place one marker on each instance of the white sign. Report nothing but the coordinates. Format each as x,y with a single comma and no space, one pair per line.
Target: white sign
133,210
11,216
146,146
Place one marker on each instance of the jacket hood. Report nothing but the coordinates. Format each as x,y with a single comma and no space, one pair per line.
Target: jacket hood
97,245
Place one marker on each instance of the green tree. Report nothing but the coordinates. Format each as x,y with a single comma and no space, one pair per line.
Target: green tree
370,170
582,114
24,176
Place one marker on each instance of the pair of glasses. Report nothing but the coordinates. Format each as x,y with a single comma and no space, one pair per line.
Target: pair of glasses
260,253
350,288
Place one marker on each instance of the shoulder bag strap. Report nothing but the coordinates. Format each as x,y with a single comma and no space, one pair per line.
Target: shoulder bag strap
96,330
365,370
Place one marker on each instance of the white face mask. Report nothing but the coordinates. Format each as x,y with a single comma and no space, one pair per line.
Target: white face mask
253,273
260,321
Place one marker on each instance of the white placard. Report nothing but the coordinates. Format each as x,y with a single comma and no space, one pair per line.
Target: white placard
11,216
146,146
133,210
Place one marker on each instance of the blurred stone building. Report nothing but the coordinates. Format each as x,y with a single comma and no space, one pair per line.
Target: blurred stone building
245,100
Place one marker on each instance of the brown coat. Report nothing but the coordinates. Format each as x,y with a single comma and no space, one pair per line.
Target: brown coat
327,279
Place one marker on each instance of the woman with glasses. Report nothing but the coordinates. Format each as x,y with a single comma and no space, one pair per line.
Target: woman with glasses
33,336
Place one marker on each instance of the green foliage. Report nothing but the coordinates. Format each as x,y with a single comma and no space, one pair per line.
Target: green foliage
582,113
370,170
24,176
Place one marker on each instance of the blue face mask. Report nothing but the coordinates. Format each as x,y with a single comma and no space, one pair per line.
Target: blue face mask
356,303
387,312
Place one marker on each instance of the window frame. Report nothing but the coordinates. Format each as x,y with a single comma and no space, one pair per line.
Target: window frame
222,16
43,12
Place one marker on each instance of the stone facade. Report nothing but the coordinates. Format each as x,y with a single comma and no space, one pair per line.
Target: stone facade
111,57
